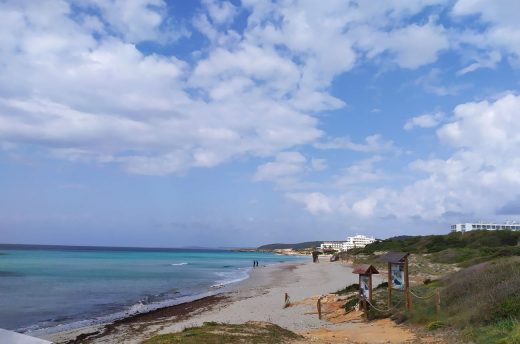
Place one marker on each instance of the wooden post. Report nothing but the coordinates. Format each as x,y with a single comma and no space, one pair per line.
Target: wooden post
370,287
407,286
359,289
287,301
319,307
365,308
389,285
438,301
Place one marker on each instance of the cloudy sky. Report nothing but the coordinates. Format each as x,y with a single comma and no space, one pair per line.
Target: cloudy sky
237,123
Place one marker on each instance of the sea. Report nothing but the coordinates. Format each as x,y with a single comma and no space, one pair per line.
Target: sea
46,289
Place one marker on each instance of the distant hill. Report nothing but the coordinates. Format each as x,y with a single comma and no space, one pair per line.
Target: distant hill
297,246
436,243
400,237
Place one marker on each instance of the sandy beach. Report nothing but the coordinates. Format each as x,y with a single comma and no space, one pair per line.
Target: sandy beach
259,298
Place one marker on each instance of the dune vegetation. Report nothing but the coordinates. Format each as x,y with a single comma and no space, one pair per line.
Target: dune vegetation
218,333
476,278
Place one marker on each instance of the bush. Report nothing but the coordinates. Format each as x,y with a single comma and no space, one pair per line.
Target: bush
351,303
383,285
435,325
480,293
462,246
507,309
348,289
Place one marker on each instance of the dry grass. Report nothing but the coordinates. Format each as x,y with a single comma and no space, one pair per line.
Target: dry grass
478,294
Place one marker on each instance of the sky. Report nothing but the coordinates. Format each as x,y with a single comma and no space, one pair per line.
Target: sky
239,123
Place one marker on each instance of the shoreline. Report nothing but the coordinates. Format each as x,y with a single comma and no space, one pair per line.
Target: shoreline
217,294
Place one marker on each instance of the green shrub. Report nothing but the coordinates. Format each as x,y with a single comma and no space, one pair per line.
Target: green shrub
383,285
435,325
351,303
462,246
348,289
509,308
215,333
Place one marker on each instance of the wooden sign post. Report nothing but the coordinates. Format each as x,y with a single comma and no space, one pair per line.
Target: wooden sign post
365,272
407,285
398,276
389,285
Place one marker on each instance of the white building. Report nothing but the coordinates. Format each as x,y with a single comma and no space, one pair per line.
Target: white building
332,245
357,241
466,227
350,243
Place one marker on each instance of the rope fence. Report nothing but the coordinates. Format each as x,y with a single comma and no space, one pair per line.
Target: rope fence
424,297
383,310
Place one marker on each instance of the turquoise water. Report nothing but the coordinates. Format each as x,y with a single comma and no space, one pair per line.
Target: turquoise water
50,289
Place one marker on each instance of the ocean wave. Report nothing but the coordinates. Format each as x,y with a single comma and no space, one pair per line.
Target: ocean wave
230,277
179,264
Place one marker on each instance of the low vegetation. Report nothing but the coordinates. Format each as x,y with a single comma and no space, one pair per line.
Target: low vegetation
477,274
352,288
465,249
218,333
481,302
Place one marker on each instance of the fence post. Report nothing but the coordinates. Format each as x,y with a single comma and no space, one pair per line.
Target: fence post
407,286
438,301
389,285
319,307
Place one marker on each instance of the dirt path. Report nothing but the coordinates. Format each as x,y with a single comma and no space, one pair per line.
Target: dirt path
351,327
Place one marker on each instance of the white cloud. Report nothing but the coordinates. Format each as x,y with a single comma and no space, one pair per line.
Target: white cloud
373,143
501,36
432,82
287,164
221,12
319,164
314,202
109,102
134,20
487,61
253,92
428,120
287,169
364,207
480,178
411,46
361,172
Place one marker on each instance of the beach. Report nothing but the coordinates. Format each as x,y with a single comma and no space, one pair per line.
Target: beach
259,298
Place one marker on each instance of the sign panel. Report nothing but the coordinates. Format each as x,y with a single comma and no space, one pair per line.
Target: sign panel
364,286
397,271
